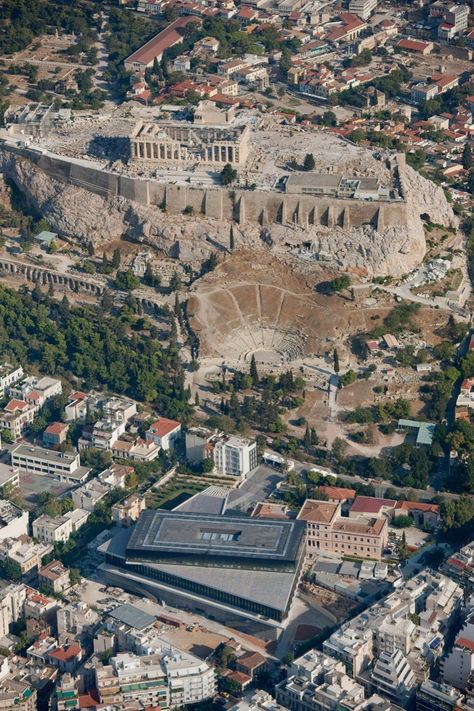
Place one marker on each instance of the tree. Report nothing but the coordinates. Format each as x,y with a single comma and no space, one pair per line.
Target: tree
336,361
402,521
74,576
402,547
231,239
309,162
131,481
7,436
338,449
253,370
116,258
228,174
285,61
307,439
340,283
348,378
207,465
467,157
126,281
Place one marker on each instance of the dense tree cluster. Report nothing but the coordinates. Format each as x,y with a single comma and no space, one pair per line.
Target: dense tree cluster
23,20
98,350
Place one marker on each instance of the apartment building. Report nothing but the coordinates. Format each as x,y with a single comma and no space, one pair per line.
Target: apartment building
13,520
102,435
395,633
459,664
327,531
164,432
52,530
89,494
64,465
422,92
36,390
137,450
436,601
25,553
363,8
54,576
155,680
432,696
128,511
393,677
235,456
76,619
9,374
12,599
17,416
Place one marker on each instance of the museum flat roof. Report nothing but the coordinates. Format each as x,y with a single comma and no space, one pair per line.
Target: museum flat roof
167,533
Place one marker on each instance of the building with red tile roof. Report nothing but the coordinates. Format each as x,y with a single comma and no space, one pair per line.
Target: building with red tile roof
423,514
416,46
371,506
164,432
144,57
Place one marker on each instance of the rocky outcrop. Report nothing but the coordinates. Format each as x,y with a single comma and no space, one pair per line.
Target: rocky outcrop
79,214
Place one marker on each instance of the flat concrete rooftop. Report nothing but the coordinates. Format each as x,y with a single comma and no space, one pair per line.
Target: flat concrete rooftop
174,534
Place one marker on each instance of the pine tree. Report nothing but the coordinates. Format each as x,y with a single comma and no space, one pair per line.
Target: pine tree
314,437
106,301
196,399
116,258
90,248
336,361
105,261
309,162
253,370
467,157
307,439
231,239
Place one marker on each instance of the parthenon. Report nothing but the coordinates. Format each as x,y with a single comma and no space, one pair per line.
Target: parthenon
188,143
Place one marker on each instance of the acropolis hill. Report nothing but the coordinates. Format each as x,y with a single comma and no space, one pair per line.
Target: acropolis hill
136,171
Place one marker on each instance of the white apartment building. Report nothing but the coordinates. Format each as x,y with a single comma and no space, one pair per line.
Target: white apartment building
235,456
37,389
155,679
12,599
13,520
9,374
52,530
164,432
393,677
459,663
363,8
119,409
89,494
395,633
65,465
103,435
24,552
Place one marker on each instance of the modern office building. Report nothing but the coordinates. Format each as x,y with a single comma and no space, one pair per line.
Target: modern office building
243,571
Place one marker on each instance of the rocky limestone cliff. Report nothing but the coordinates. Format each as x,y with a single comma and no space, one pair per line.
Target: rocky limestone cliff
79,214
